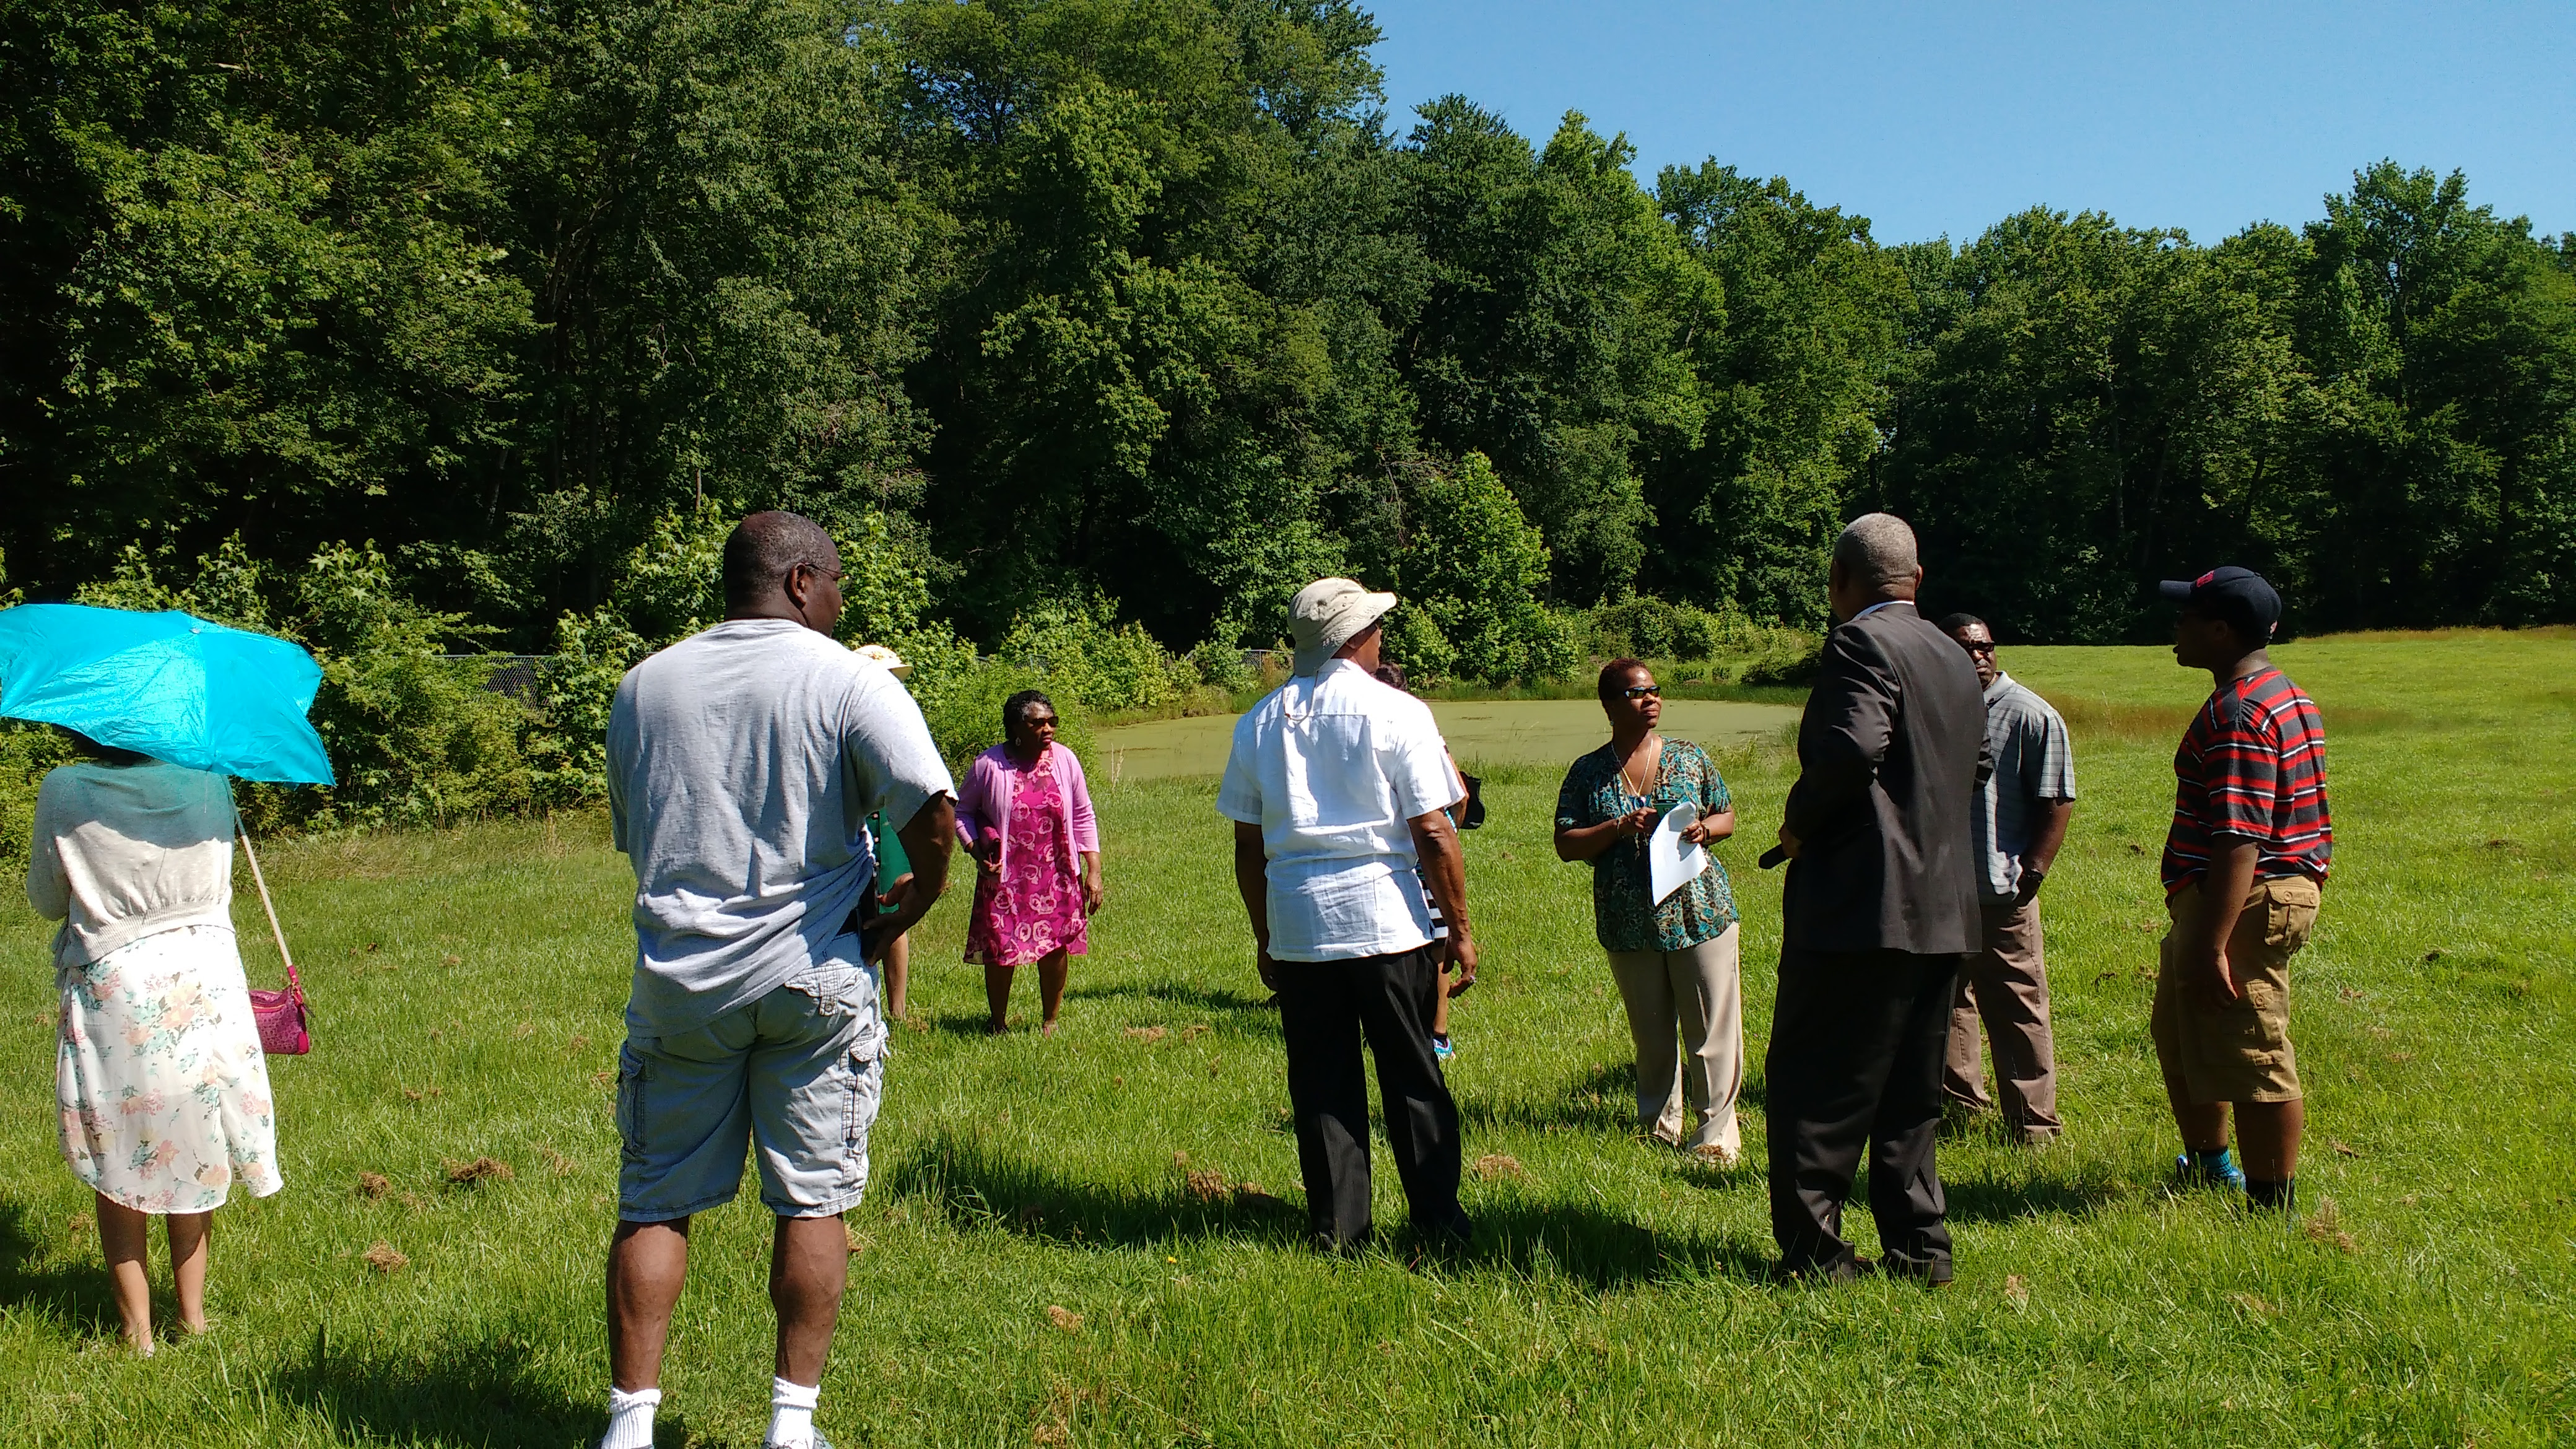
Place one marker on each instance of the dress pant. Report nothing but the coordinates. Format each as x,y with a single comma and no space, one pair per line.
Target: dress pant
1687,1096
1855,1060
2006,985
1325,1007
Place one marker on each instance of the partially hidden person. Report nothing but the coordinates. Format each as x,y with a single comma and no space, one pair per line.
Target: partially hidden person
1026,818
894,870
1339,789
743,765
158,1073
2245,865
1675,960
1467,814
1880,905
2018,827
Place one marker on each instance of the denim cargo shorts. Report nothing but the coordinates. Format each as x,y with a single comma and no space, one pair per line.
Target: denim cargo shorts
796,1074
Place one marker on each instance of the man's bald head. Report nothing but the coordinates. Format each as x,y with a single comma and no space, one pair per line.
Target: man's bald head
765,547
781,566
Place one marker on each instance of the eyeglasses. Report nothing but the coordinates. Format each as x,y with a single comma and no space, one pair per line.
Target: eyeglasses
1642,691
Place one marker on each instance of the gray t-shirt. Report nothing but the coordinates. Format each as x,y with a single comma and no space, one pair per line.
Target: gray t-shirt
2034,763
743,763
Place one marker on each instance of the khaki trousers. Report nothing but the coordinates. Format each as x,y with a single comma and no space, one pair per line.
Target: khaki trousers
1686,1015
2006,987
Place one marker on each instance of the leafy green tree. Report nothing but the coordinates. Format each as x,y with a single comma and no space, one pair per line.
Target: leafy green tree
254,271
1126,400
2079,402
1798,381
726,263
1475,569
1559,332
2437,470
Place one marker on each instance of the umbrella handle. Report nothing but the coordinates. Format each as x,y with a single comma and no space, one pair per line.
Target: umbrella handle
269,906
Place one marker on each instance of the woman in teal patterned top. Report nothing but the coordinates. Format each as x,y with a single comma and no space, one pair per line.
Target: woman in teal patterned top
1675,961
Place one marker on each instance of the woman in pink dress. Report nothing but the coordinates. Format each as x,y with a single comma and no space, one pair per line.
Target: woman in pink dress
1025,815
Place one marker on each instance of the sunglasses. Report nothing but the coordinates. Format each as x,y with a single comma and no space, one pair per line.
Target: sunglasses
1034,721
1975,646
1642,691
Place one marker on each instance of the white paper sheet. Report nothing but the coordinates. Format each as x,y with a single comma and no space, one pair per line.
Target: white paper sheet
1671,861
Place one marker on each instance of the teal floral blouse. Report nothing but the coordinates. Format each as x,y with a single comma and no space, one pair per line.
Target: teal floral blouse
1622,915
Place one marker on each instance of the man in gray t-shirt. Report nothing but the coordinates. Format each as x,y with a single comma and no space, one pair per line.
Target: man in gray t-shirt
2019,822
743,764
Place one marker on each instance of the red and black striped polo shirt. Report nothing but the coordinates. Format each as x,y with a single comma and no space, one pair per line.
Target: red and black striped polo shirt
2253,764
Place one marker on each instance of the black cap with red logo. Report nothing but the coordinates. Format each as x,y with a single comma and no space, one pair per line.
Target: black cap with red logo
2239,596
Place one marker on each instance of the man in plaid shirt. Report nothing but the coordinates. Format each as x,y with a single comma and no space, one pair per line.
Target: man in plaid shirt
2020,823
2249,849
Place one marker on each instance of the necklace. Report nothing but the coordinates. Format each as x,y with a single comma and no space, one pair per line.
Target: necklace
1636,791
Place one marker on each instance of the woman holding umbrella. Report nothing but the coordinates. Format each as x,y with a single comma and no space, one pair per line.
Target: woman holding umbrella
159,1075
159,1071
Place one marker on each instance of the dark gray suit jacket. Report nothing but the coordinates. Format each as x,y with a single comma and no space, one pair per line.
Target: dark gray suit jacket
1890,753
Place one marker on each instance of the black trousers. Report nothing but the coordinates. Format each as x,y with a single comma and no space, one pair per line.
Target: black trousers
1324,1008
1857,1040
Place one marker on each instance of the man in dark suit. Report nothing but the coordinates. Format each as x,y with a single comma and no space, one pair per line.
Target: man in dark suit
1880,907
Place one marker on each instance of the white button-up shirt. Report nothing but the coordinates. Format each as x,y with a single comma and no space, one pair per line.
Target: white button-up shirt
1332,768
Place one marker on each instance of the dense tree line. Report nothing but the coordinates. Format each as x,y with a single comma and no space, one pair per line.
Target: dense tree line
1151,301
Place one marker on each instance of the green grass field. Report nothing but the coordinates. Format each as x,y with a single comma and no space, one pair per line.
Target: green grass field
469,988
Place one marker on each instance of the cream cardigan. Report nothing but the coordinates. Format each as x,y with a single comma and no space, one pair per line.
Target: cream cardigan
122,852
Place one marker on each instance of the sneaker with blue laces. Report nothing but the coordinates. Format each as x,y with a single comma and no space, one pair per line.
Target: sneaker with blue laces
2210,1169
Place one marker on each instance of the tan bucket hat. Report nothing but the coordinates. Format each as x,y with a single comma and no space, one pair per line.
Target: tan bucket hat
1328,614
892,661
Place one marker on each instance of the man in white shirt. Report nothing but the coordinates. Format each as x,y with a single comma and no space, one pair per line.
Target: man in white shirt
1339,786
743,764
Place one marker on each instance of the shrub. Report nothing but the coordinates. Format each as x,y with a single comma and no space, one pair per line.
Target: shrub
413,735
964,709
1475,568
1104,666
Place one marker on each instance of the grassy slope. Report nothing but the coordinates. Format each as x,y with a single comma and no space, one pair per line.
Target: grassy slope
484,971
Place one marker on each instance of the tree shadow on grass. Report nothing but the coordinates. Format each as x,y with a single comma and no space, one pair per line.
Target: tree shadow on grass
976,1186
1249,1013
481,1390
1599,1099
75,1298
1994,1200
1601,1249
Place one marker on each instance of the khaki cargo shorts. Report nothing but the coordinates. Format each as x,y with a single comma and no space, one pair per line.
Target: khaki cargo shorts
2240,1053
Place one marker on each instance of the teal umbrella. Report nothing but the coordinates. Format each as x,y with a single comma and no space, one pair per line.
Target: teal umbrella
169,685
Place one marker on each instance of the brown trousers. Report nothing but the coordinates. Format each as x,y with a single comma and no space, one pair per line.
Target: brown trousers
2006,987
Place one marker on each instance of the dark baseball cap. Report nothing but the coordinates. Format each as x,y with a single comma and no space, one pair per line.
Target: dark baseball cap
2239,596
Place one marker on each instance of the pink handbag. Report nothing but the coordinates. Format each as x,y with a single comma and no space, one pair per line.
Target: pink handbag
280,1014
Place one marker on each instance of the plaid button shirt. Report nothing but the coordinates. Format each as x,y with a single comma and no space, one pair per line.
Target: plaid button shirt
2034,764
2253,764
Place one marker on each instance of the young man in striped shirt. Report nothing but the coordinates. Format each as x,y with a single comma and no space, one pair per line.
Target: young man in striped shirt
2249,848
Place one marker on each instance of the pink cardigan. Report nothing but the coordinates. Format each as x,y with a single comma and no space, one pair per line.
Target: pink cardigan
984,805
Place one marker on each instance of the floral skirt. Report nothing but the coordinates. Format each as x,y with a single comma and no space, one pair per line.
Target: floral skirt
160,1078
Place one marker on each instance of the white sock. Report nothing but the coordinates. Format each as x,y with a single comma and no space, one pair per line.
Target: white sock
791,1414
630,1419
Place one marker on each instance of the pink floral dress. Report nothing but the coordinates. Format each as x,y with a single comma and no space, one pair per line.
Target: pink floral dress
1034,906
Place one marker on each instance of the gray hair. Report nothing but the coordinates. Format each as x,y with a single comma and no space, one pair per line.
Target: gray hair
1877,549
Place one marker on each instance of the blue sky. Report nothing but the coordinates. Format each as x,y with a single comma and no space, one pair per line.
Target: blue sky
1941,119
